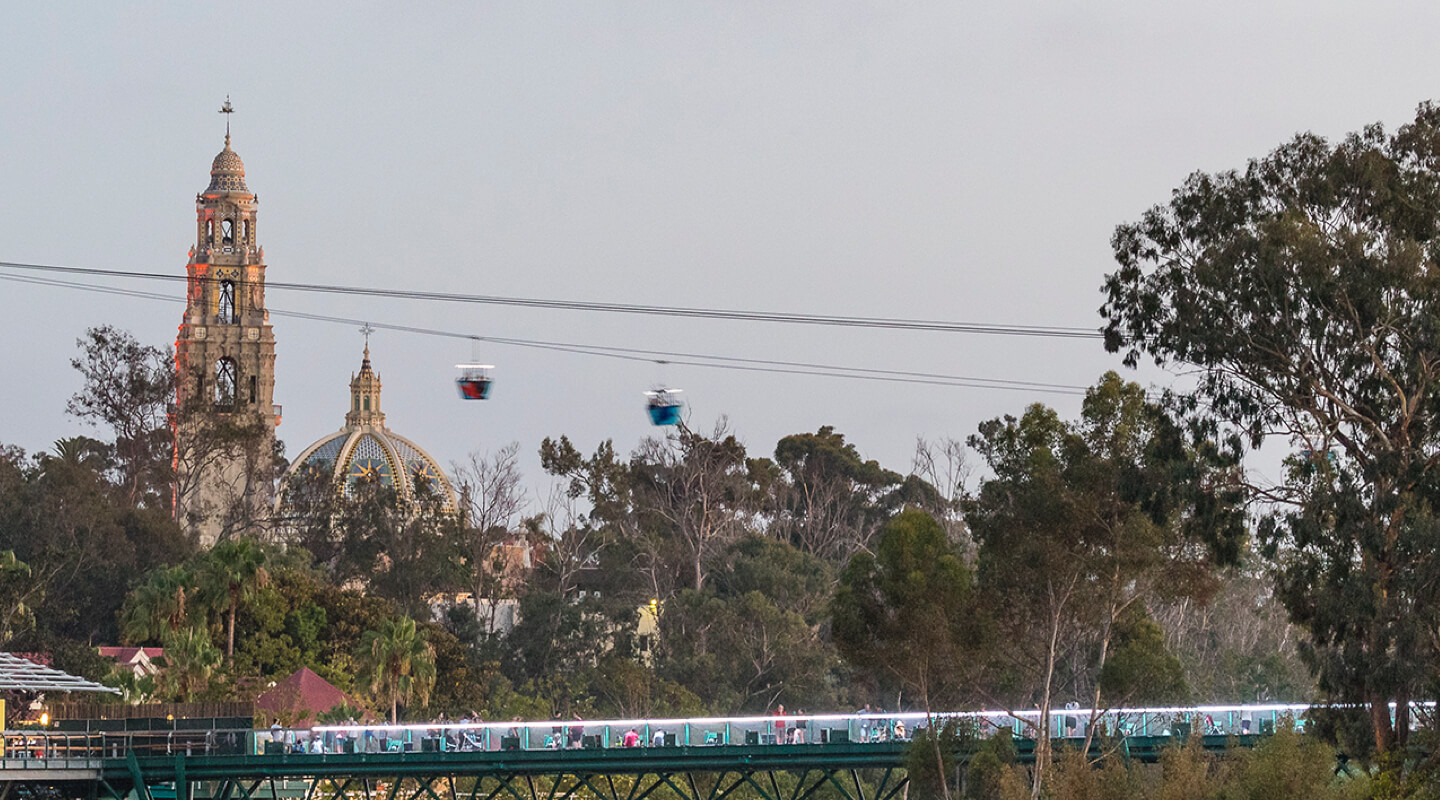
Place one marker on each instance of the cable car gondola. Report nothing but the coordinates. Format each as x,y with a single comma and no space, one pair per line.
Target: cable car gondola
664,405
474,381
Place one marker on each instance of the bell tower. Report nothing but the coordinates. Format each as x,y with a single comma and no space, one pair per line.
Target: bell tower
225,366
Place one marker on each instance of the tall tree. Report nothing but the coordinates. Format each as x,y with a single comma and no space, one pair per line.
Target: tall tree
753,638
83,544
229,575
909,614
942,465
397,664
1082,521
492,500
697,488
831,500
130,388
1303,292
404,550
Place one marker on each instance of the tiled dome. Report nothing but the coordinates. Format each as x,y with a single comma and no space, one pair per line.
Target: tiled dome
227,171
366,449
373,452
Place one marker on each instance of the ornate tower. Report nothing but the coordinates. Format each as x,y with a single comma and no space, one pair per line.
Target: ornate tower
225,367
365,396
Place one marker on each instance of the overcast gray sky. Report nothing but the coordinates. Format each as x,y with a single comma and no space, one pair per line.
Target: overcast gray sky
958,161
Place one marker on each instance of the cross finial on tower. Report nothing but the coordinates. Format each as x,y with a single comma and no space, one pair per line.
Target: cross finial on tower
366,330
227,110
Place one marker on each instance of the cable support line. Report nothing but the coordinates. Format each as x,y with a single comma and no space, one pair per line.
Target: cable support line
625,353
738,364
794,318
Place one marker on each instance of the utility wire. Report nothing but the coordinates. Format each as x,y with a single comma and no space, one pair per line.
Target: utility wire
624,353
889,323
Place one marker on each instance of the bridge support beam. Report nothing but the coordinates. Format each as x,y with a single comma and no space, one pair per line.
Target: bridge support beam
884,783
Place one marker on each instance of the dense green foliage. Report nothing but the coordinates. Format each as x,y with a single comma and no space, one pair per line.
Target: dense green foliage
688,578
1321,259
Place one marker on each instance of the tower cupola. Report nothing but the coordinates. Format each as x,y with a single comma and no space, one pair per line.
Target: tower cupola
227,171
365,396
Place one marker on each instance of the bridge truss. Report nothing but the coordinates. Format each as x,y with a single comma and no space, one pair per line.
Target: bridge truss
770,772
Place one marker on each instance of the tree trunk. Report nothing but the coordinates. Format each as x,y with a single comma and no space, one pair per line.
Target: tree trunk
1402,718
935,742
1380,722
230,634
1042,736
1100,667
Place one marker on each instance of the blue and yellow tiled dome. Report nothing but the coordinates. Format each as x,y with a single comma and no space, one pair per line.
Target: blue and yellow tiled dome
366,449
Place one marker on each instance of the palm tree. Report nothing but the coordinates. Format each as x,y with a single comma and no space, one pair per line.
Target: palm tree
396,663
190,660
231,574
159,606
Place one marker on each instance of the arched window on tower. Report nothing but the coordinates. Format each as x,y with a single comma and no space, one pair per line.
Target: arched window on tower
245,233
254,388
210,231
226,378
225,308
227,232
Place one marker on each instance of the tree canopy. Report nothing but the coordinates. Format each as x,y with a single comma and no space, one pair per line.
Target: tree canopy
1303,290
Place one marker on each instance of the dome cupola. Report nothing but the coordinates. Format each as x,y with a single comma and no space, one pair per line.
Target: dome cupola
227,171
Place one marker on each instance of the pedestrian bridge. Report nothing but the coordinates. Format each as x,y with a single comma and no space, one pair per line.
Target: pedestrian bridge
793,757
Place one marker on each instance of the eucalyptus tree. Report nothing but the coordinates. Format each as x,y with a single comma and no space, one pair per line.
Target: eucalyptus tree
130,389
1302,292
909,614
405,550
1079,524
696,493
830,500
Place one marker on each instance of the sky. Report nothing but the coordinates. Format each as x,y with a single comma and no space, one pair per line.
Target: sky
938,160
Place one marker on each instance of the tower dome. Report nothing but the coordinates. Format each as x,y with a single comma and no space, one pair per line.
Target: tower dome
365,449
227,171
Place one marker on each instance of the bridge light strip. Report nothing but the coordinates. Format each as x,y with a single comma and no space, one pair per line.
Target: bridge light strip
699,722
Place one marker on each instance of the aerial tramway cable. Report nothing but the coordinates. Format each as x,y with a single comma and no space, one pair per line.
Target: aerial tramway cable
890,323
711,361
